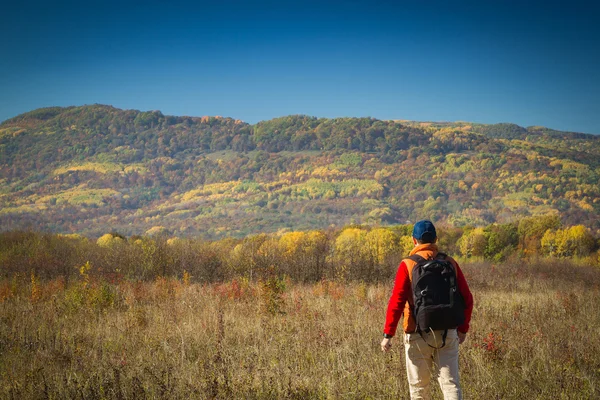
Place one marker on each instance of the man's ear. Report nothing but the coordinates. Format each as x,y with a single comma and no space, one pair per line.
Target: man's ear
414,241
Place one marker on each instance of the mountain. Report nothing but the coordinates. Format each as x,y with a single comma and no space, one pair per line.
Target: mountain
95,169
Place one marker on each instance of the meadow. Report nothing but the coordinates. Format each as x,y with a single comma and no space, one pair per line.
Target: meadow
534,335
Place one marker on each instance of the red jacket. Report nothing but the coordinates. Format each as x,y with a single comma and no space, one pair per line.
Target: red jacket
402,298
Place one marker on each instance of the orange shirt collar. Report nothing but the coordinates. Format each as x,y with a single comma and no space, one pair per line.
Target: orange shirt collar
425,247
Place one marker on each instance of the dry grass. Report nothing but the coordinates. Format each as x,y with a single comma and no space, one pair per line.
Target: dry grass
534,335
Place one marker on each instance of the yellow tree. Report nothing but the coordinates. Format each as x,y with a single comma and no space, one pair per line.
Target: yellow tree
304,254
351,254
108,240
384,248
473,243
269,257
406,245
316,245
574,241
550,242
245,257
291,243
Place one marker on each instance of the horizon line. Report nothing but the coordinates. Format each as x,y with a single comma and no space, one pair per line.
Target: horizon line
397,120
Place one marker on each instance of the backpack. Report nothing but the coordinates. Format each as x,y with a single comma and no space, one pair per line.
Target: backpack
437,302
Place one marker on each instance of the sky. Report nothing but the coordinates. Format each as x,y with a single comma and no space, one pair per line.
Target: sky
529,63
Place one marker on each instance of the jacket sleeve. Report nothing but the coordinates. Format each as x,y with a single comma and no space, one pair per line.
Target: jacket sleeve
464,290
397,300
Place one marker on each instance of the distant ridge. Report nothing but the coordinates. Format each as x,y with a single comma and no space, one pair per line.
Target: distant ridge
501,129
97,168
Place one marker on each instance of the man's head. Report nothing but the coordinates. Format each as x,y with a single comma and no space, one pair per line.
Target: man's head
424,232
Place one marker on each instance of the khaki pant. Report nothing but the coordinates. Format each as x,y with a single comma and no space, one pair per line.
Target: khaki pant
422,362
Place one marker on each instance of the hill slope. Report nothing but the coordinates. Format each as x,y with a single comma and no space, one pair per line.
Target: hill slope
94,169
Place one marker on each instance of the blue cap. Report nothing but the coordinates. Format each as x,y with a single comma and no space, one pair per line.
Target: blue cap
424,231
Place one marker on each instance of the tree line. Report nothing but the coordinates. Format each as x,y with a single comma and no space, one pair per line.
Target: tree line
354,253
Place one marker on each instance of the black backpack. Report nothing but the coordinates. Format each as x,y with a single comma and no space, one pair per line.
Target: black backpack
437,302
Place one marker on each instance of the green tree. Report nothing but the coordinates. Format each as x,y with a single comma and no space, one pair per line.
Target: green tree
502,241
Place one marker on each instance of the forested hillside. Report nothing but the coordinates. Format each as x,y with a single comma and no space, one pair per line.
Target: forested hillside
96,169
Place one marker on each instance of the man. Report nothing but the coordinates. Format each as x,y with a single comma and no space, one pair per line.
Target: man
426,351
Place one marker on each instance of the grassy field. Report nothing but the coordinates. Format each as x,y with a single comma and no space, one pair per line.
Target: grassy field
534,335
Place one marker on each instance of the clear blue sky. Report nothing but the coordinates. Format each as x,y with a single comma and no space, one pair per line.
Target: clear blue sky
481,61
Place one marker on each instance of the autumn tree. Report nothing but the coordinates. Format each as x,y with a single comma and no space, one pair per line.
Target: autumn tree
448,238
245,257
406,244
304,254
352,258
473,243
384,248
532,229
573,241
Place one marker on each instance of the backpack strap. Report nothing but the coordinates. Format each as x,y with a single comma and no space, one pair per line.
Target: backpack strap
444,335
416,258
453,284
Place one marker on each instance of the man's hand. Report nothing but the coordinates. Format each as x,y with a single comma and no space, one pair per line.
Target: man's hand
386,344
461,337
